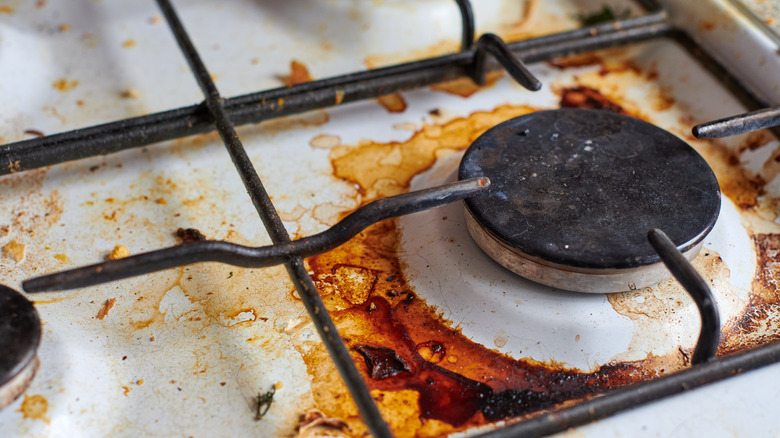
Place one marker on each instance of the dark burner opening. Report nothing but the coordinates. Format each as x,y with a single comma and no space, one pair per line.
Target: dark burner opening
20,334
579,189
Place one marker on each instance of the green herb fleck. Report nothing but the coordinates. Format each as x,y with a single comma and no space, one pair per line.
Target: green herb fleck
606,14
264,402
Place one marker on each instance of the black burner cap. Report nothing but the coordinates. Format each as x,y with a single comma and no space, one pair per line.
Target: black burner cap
581,188
20,333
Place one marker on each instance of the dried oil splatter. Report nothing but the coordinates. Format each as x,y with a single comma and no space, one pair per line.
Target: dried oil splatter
393,103
35,407
299,74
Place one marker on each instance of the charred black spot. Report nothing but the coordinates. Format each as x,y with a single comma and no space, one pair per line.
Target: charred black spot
189,235
382,362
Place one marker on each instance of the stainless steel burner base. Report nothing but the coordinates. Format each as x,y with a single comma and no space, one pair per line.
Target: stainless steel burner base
15,387
567,277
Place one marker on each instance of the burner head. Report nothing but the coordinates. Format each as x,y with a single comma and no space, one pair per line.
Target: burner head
574,192
20,334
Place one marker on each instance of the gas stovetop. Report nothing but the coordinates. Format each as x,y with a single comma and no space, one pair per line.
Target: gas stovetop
430,334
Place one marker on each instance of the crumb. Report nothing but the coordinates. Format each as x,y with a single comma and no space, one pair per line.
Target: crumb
119,251
105,308
62,258
6,10
128,44
161,201
5,230
156,19
278,385
64,28
130,93
15,250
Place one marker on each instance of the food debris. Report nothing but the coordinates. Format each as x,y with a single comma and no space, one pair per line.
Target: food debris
119,252
130,93
5,230
393,103
34,132
156,19
161,201
315,418
62,258
15,250
186,235
106,307
35,407
325,141
14,166
63,84
64,27
298,74
128,43
264,402
6,10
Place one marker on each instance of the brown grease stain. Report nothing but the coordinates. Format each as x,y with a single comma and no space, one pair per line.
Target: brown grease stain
426,377
760,322
393,103
299,74
63,84
386,169
407,351
412,359
465,87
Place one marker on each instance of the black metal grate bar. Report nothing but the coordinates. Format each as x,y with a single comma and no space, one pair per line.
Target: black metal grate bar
467,24
255,107
273,224
257,257
739,124
697,288
224,114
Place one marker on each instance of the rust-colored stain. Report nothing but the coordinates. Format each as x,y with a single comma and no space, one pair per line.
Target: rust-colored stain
107,305
588,98
299,74
35,407
760,323
63,84
393,103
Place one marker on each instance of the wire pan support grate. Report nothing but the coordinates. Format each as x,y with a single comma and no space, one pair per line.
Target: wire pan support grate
224,114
